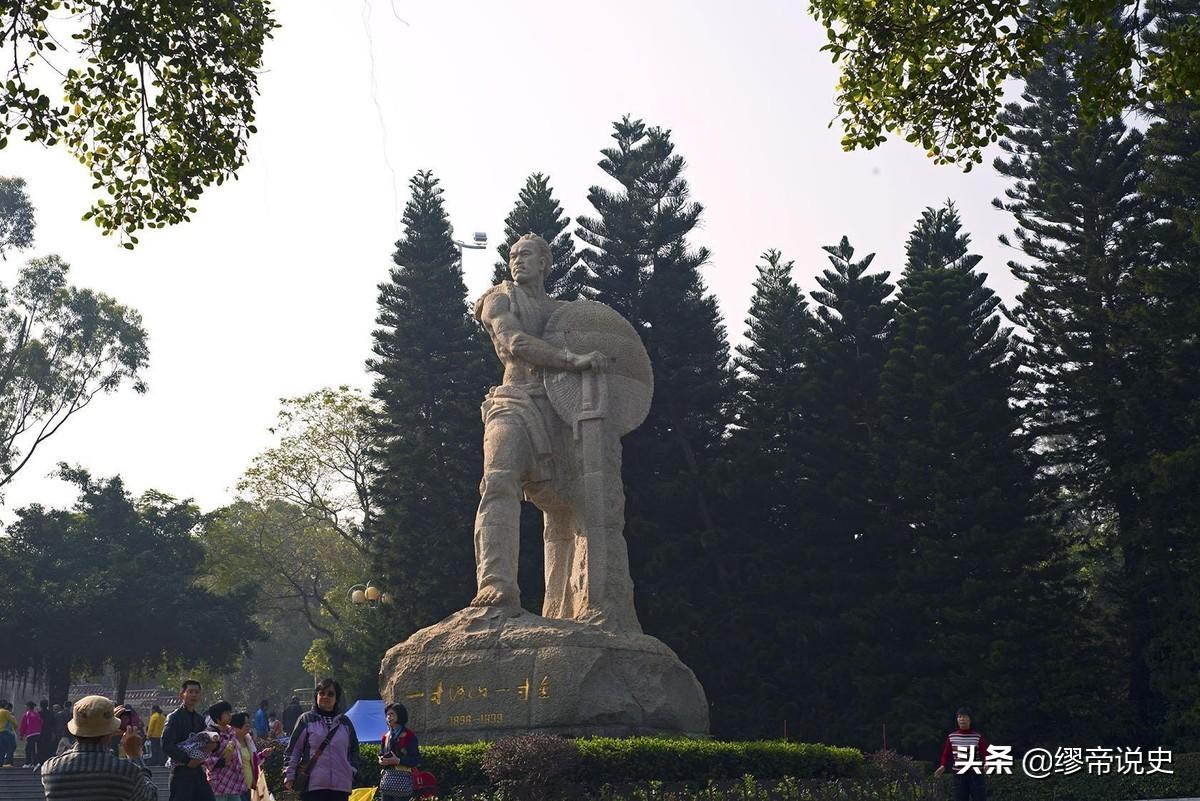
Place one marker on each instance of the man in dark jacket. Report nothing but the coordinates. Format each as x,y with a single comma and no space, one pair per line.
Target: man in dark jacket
50,736
291,713
188,782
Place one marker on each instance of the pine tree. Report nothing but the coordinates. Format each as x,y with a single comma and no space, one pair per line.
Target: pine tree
432,370
1171,381
973,568
840,489
538,212
763,511
641,264
778,333
617,257
1083,226
842,393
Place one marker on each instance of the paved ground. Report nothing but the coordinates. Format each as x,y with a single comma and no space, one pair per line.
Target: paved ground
24,784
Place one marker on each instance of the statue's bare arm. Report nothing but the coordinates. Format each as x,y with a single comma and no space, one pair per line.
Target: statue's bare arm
511,340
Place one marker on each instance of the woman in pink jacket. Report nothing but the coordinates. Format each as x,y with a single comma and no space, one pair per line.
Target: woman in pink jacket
31,732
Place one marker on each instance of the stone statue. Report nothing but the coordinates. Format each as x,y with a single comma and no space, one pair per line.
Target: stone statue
576,379
552,433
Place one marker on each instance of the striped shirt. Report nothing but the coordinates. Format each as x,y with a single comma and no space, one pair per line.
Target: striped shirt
90,772
963,739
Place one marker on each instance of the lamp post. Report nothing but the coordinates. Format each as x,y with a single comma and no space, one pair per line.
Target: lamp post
479,242
368,595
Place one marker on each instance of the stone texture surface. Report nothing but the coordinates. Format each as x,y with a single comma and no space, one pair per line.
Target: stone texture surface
486,672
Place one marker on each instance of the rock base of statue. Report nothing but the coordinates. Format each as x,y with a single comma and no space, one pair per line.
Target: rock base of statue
484,673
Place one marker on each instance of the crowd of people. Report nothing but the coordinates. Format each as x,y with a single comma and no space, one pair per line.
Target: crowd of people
217,753
43,730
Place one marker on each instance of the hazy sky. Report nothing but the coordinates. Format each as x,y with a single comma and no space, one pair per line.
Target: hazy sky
270,291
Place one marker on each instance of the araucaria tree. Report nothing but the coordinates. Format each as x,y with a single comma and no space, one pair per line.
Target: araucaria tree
840,490
432,370
1086,232
762,508
1169,359
971,566
538,212
641,263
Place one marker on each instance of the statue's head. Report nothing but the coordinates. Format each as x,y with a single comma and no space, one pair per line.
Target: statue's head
529,254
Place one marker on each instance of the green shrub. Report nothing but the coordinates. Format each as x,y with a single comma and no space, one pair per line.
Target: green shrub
607,760
453,765
274,764
892,766
655,770
1082,786
532,767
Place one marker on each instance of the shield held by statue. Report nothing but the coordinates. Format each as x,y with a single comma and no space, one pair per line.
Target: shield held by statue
600,407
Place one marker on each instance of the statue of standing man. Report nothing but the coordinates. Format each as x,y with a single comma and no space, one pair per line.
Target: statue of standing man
575,376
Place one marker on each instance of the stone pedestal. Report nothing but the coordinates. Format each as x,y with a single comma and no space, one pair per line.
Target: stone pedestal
484,673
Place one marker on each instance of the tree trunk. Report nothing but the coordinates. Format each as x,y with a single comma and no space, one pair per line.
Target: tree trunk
122,684
58,682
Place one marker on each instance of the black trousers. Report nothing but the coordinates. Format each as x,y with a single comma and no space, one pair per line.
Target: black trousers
969,786
32,755
324,795
190,784
47,745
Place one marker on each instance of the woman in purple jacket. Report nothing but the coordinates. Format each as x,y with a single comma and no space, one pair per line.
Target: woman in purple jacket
331,775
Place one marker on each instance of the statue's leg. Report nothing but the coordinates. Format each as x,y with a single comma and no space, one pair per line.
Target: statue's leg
560,553
506,459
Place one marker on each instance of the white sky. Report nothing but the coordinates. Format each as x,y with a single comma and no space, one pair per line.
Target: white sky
270,291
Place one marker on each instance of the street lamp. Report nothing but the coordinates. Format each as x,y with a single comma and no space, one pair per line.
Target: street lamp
479,242
368,595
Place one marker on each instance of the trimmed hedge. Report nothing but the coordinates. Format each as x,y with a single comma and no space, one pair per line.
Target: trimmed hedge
453,765
605,760
643,759
608,760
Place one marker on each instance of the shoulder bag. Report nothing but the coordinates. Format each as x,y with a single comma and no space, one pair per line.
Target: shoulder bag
300,783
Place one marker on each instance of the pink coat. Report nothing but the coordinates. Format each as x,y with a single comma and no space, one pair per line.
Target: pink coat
31,723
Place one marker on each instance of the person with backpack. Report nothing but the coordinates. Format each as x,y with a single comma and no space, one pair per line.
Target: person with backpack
323,750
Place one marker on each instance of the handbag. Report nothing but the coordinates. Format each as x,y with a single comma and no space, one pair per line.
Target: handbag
396,782
300,782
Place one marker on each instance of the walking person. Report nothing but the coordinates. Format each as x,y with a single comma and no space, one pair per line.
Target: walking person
154,731
31,732
964,740
188,782
291,713
8,734
323,751
62,725
88,770
262,721
48,741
